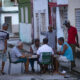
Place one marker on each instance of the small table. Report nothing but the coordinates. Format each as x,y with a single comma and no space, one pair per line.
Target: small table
33,57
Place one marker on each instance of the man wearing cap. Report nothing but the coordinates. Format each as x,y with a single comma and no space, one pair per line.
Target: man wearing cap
72,39
4,36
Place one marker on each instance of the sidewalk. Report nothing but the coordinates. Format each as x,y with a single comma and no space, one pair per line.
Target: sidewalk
17,75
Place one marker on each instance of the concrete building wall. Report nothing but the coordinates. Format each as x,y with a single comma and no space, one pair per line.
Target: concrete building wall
15,8
25,25
72,5
25,32
39,7
10,10
14,21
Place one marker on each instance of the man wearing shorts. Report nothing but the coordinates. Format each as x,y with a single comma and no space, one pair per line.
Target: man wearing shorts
72,40
17,56
4,36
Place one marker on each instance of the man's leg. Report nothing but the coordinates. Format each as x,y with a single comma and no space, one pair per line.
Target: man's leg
27,65
54,63
3,64
32,64
57,65
45,68
74,56
25,61
4,58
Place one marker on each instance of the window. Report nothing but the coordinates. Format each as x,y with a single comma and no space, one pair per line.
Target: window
37,24
22,15
77,15
15,2
8,19
26,15
43,22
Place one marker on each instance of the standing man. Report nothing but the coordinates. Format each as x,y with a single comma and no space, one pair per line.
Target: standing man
51,36
4,36
72,39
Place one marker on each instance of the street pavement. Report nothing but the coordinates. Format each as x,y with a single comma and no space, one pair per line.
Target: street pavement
17,75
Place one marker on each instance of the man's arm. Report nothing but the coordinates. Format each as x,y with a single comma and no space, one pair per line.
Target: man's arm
77,40
64,49
31,50
56,42
5,42
38,53
5,49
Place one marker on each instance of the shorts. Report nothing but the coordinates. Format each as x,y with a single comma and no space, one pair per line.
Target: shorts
24,60
3,56
62,58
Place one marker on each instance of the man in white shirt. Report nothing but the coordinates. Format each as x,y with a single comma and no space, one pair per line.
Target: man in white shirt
4,36
44,48
17,56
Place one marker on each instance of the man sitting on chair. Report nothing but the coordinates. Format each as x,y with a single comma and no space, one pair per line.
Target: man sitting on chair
17,56
66,53
44,49
33,50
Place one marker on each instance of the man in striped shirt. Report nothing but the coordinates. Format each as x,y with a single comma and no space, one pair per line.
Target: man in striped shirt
4,36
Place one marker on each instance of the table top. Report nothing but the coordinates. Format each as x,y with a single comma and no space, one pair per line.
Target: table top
33,57
30,56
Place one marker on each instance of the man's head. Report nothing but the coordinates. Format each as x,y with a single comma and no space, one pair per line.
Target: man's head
5,26
20,45
37,42
45,41
60,40
50,28
67,24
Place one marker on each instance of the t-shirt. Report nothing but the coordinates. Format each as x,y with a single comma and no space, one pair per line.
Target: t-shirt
3,36
72,32
51,38
15,54
68,53
34,49
44,48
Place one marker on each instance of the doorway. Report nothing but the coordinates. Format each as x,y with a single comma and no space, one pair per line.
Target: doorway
9,21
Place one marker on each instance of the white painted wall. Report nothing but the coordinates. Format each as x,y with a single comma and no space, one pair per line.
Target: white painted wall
25,32
71,12
62,2
15,8
40,6
15,21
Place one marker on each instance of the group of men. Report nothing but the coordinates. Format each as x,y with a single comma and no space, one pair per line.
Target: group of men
49,45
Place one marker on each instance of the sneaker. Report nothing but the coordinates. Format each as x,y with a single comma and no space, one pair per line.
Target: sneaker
63,72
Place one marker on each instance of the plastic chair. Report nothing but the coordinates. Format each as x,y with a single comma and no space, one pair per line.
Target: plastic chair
47,59
10,62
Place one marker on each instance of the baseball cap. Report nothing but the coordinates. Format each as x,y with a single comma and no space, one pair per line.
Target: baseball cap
66,22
